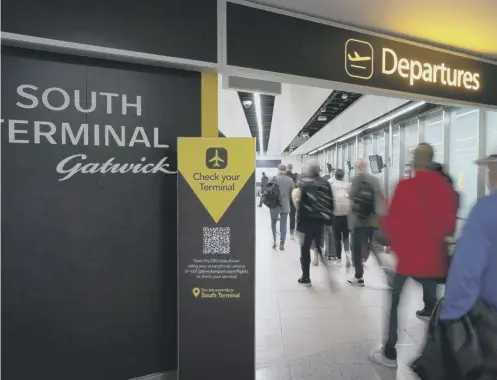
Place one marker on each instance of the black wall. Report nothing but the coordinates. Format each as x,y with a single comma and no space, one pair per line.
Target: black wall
176,28
89,263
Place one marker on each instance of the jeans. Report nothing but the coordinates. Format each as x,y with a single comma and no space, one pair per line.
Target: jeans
312,232
293,213
283,221
341,233
362,238
429,298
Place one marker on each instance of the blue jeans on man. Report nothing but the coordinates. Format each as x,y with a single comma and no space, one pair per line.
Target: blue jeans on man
283,225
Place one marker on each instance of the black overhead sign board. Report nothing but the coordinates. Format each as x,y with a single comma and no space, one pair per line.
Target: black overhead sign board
263,40
176,28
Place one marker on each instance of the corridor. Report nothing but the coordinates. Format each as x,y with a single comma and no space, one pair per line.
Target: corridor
324,332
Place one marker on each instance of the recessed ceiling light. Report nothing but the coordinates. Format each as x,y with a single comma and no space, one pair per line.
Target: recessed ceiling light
322,118
344,96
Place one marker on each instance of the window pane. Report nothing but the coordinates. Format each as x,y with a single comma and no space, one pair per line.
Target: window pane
463,150
412,140
380,150
434,135
394,170
491,132
368,149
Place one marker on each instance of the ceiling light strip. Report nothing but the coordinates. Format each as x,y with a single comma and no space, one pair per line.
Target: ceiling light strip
370,126
258,114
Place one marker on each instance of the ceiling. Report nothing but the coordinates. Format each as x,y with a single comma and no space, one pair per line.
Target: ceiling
334,105
267,106
467,26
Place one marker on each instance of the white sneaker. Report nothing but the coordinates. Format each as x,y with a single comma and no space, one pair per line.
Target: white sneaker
315,261
378,357
356,281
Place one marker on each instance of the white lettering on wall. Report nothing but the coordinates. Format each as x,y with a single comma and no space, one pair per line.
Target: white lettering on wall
65,97
13,131
73,165
136,139
57,99
137,105
109,131
22,93
46,133
67,132
79,107
109,96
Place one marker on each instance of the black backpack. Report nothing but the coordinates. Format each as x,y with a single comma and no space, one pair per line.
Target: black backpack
365,201
317,200
271,194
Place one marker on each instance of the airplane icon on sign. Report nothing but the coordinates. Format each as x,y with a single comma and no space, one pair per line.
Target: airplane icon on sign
216,160
358,58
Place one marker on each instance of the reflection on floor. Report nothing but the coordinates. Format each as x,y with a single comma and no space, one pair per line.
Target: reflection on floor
324,332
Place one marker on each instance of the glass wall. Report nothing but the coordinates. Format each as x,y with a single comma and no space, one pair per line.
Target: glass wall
394,168
463,151
434,135
455,140
491,132
411,140
368,148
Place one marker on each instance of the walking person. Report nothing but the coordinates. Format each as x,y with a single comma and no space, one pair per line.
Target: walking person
341,189
293,211
284,186
473,271
422,213
264,182
366,207
314,203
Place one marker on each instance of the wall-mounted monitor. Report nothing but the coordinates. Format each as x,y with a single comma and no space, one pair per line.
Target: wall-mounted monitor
349,166
376,163
330,168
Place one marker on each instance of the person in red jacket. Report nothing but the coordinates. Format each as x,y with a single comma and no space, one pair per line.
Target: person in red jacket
421,215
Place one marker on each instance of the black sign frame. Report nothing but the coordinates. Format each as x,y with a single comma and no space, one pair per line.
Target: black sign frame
296,46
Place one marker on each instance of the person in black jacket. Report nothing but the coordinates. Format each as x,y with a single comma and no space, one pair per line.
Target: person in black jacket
264,182
315,212
293,211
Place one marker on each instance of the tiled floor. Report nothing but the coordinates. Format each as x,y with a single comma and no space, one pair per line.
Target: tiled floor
324,332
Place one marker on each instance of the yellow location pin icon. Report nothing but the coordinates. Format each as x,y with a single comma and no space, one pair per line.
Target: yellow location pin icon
196,292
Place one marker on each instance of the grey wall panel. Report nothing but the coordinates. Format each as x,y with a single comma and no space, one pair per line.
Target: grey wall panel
89,263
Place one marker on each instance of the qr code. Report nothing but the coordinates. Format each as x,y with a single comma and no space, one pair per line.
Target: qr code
216,241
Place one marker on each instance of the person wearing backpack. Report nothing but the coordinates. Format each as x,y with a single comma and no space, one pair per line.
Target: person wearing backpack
341,189
367,205
264,182
277,197
314,203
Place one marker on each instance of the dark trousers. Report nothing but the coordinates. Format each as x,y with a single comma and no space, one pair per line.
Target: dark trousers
309,233
362,238
341,234
429,298
293,214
